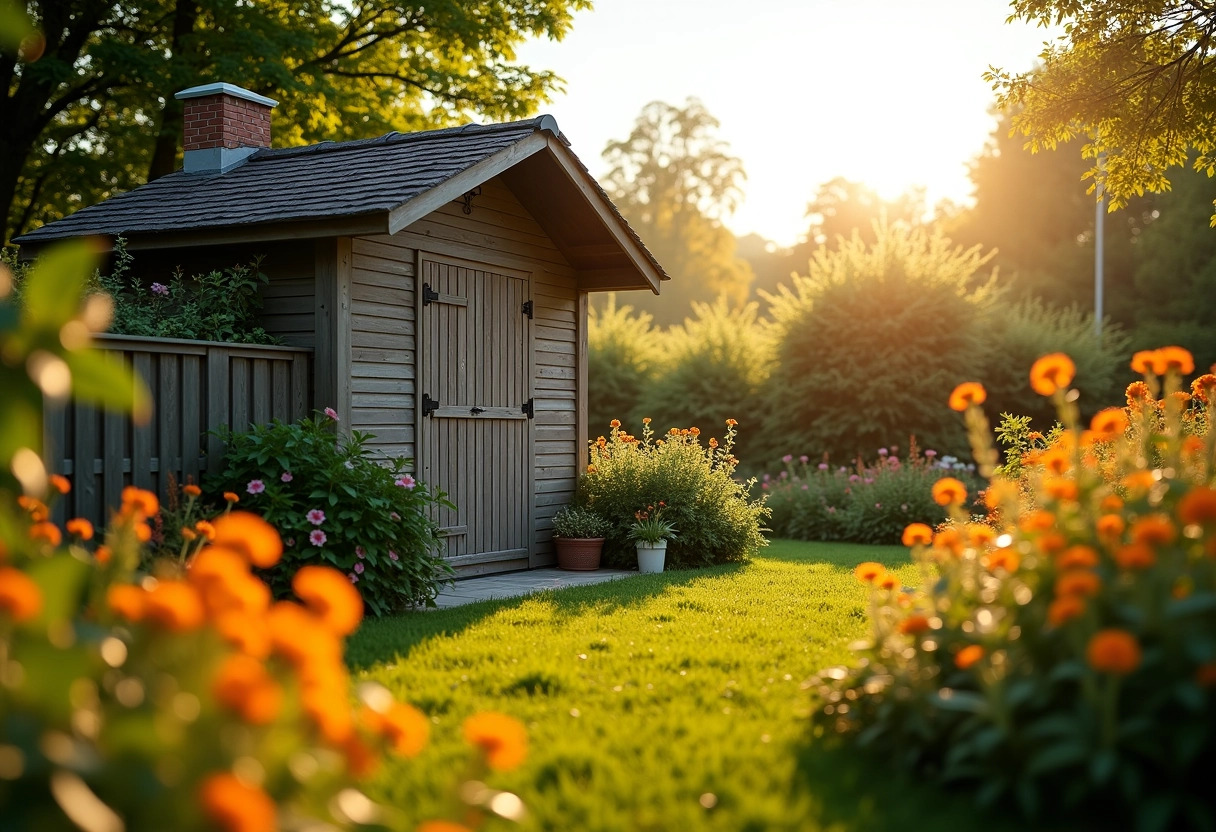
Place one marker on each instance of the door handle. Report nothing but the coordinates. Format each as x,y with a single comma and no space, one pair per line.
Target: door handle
476,410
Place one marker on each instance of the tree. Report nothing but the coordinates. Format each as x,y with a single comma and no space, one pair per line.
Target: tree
674,181
1136,81
621,361
89,110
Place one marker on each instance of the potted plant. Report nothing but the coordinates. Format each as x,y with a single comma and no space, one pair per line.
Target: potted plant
650,533
578,536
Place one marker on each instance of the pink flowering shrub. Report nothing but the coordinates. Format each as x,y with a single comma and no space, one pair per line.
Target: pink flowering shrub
863,502
336,504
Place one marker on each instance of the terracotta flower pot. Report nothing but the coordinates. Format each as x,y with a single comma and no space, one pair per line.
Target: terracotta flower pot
579,554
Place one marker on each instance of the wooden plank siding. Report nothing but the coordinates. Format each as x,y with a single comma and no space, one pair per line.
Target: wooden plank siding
197,386
499,236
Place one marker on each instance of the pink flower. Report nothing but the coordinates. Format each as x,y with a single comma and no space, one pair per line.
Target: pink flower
331,413
289,542
255,487
804,488
360,552
317,537
392,515
787,458
406,481
354,579
878,505
823,466
930,453
286,476
359,568
392,555
883,452
804,459
316,517
160,289
764,485
853,478
831,509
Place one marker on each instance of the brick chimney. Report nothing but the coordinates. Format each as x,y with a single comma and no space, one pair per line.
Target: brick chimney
223,125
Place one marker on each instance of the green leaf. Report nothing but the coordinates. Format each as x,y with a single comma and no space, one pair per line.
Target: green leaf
1102,766
1191,605
961,700
1056,757
103,379
56,284
1153,815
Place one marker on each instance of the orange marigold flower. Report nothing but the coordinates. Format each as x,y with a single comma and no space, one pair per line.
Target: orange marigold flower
442,826
174,605
1051,373
1065,608
60,483
36,509
713,443
143,532
20,597
1135,556
695,431
46,531
361,759
250,535
1056,460
235,806
139,501
1078,556
243,686
102,555
1052,542
1079,582
79,527
189,535
948,539
948,491
300,637
869,572
968,656
1176,359
730,423
405,727
243,631
979,535
191,490
1204,388
1111,502
1109,423
1192,445
1145,361
1154,530
614,424
329,594
231,497
967,394
503,739
913,624
1006,559
1198,507
1113,651
1110,527
206,529
888,581
1138,394
646,420
127,601
1139,480
1038,521
917,534
1060,488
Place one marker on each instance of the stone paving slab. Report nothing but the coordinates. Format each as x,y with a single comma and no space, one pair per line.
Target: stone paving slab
515,584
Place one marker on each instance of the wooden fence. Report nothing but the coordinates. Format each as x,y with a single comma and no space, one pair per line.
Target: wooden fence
197,386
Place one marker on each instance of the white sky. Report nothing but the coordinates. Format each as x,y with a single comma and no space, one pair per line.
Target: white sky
886,92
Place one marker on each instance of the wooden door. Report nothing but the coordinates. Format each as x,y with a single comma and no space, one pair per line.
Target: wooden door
476,411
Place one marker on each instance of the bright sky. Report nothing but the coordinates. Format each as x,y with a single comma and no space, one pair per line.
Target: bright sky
886,92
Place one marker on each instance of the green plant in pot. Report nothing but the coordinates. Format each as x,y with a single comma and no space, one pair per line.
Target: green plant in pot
578,536
650,533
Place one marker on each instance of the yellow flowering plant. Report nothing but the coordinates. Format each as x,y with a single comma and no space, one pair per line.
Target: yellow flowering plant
1060,656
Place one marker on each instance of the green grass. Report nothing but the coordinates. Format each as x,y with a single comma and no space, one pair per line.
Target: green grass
643,695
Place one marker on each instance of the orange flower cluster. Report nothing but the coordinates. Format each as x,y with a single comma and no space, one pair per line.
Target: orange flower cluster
967,394
20,597
1162,361
949,492
1052,373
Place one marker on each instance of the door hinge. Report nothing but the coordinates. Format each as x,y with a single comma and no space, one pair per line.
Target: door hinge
429,405
529,408
527,309
428,294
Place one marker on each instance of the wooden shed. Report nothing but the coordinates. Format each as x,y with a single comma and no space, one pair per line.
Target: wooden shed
441,279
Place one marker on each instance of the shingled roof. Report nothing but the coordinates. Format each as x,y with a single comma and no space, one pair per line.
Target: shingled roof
391,181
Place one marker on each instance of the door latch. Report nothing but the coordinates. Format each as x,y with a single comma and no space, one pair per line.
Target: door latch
429,405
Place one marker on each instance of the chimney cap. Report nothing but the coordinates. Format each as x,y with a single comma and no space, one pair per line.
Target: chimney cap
226,89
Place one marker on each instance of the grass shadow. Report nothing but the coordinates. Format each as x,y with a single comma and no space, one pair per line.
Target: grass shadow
392,639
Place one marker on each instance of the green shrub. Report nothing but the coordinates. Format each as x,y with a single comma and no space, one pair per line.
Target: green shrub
870,340
579,522
336,504
716,519
622,351
1018,335
711,369
862,503
1061,656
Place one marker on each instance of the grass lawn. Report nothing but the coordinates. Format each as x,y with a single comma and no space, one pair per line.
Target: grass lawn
644,697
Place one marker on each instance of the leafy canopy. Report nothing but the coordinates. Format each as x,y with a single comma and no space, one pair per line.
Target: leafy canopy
1134,80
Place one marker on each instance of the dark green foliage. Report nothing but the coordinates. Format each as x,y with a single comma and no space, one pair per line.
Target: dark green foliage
377,523
712,369
620,360
217,306
1019,335
861,503
714,515
871,342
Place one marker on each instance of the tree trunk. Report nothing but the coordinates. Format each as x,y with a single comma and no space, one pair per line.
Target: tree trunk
168,137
